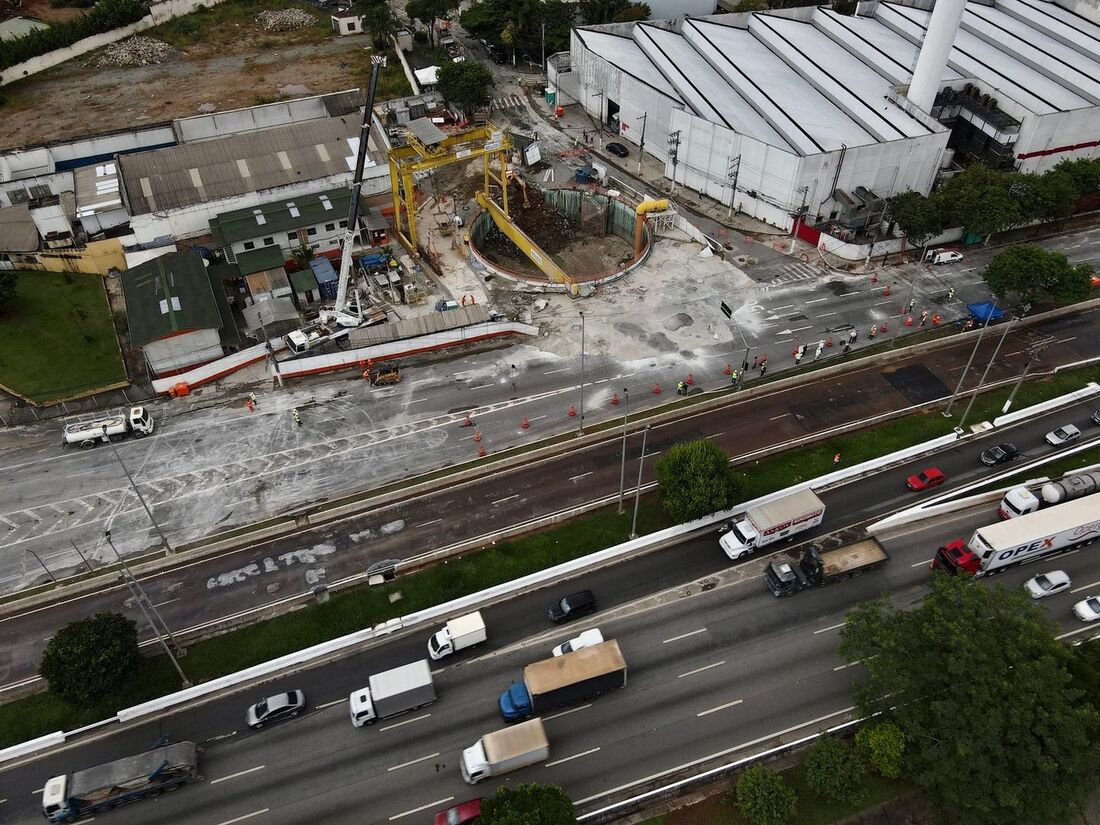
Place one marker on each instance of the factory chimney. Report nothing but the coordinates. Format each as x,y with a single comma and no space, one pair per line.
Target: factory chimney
934,52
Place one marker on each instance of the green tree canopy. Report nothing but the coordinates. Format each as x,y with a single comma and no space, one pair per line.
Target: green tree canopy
979,200
695,479
882,745
1085,174
529,804
633,12
465,84
488,19
996,729
833,770
378,20
1027,272
8,283
764,796
428,11
920,218
87,659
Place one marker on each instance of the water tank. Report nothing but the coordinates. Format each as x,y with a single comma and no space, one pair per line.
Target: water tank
1071,487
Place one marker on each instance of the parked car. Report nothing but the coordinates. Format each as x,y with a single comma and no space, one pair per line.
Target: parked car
465,813
276,708
1088,610
618,150
1047,584
999,454
1096,417
926,479
946,257
572,607
1063,435
586,639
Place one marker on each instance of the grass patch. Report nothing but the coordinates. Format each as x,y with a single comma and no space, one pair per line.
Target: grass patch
223,25
59,339
392,82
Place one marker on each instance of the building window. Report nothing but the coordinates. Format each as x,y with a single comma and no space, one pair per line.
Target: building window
39,191
311,231
249,245
315,247
292,237
269,241
351,25
18,196
330,227
343,224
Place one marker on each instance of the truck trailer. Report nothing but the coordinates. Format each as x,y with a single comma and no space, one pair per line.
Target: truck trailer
1019,501
767,523
817,568
91,791
1005,544
136,421
458,634
392,692
564,680
505,750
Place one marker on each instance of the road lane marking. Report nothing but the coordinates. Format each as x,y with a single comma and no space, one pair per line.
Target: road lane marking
566,712
166,601
1084,629
817,300
842,667
715,435
582,475
426,523
554,372
413,762
830,627
777,417
799,329
481,386
1065,340
329,704
785,306
570,758
239,818
924,563
685,635
237,774
506,498
783,340
435,804
701,669
720,707
405,722
1085,587
221,736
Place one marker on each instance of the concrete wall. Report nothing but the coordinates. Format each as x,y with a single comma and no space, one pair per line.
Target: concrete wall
637,99
97,258
158,13
1062,131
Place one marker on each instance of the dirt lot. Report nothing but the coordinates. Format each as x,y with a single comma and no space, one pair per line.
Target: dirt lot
224,61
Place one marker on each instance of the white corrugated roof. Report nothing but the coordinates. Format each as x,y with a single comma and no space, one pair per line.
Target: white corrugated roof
623,53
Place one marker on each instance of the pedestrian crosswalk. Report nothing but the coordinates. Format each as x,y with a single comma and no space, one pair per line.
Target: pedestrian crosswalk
506,102
791,273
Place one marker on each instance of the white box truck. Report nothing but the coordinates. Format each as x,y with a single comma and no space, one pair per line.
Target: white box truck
505,750
392,692
766,523
87,432
458,634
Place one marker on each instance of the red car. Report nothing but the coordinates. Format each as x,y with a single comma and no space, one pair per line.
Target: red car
926,479
464,813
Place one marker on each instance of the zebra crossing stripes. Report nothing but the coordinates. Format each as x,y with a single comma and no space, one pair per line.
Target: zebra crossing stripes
506,102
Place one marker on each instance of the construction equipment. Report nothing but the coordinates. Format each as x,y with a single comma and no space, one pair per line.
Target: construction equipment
385,375
513,177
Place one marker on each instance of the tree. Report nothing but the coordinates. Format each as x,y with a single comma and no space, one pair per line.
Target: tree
1059,196
428,11
8,284
466,84
920,218
833,770
882,745
695,479
1026,272
1085,174
529,804
995,727
633,12
596,12
979,200
763,796
378,20
87,659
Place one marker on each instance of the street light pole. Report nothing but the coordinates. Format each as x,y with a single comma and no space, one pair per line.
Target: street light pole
580,430
133,486
641,143
981,381
622,467
974,352
44,567
638,490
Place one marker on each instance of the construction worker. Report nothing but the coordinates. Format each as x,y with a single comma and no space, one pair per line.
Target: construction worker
853,335
923,317
297,417
874,331
951,294
912,303
734,376
836,458
248,402
252,398
681,388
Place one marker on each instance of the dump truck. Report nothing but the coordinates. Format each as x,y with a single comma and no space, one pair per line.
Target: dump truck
458,634
87,432
999,546
88,792
817,567
505,750
392,692
564,680
765,523
1019,501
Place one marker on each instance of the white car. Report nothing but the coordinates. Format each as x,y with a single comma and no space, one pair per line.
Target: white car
1047,584
1088,610
586,639
949,256
1063,435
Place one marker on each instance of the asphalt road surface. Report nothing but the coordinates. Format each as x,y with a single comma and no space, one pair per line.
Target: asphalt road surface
717,667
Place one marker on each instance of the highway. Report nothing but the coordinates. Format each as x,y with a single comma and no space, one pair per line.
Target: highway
716,664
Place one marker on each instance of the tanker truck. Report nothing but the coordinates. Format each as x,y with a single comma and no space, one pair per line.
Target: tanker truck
1020,501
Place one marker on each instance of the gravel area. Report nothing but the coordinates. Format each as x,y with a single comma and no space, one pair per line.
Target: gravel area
135,51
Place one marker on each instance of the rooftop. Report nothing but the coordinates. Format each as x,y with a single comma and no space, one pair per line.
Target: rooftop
280,216
18,232
167,295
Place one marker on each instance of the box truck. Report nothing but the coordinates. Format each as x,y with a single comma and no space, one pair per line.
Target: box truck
88,792
458,634
505,750
564,680
392,692
1020,501
817,567
763,524
1005,544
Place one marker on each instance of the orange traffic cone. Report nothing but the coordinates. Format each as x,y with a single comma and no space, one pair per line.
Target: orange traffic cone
690,379
525,423
469,422
477,436
615,399
481,452
656,389
572,411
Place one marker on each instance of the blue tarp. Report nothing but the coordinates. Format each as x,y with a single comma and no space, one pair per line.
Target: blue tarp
985,311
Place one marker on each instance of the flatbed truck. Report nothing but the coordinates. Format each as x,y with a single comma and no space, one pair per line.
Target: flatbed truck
817,568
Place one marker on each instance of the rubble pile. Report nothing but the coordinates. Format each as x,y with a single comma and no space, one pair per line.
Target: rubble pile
135,51
285,20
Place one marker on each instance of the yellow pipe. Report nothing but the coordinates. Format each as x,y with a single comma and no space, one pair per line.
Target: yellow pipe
657,205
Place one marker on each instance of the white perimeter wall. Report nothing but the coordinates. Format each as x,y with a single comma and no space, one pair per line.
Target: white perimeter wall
635,99
182,351
1054,131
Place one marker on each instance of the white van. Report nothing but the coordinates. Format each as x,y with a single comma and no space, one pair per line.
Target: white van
946,256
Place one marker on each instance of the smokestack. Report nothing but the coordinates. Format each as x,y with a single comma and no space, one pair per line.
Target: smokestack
934,52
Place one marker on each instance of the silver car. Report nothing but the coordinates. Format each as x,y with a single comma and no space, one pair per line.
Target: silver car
1063,435
1047,584
588,638
275,708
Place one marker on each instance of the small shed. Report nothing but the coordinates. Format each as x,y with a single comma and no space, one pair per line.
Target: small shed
305,287
347,23
377,227
328,281
428,77
263,271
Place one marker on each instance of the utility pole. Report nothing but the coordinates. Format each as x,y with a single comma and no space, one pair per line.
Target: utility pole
974,352
622,467
673,153
644,116
1033,351
638,489
731,174
580,430
38,559
168,551
544,48
996,351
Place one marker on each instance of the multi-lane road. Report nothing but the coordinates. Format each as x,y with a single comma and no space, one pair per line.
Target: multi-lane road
717,666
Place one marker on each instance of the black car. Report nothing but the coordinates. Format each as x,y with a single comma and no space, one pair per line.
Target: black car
999,454
618,150
1096,417
573,607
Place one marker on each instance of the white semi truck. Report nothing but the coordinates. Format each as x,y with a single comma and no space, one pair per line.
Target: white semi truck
458,634
87,432
1019,501
766,523
392,692
505,750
